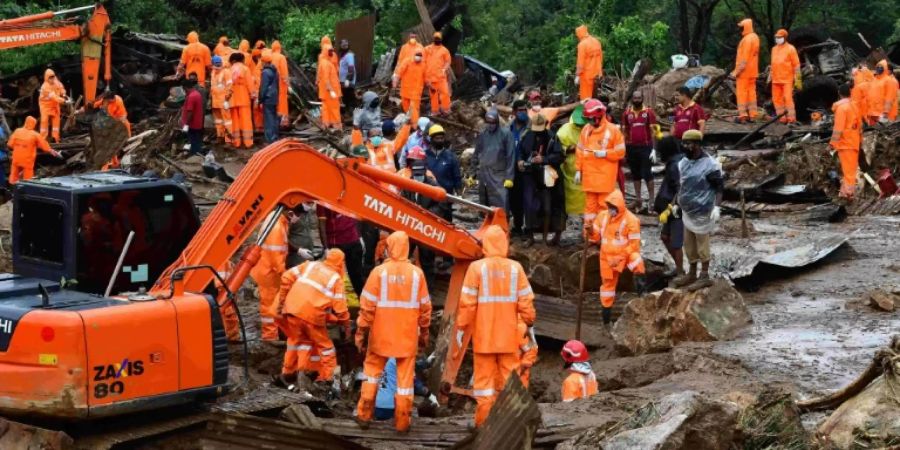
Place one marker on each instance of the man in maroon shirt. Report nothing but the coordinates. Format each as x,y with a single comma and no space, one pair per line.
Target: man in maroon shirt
688,115
637,123
192,115
339,231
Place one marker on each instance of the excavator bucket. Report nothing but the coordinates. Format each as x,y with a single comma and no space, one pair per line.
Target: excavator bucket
108,136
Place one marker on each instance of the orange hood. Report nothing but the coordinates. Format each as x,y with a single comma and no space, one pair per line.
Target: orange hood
398,246
335,259
884,65
862,75
266,56
495,242
47,74
260,44
30,123
193,37
582,32
244,46
616,199
326,41
276,47
747,25
222,39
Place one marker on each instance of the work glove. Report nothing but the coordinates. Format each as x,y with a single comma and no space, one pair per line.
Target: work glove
599,153
290,90
459,336
508,184
423,338
332,94
184,129
305,254
577,80
578,177
432,400
57,154
798,82
346,83
226,105
883,119
664,216
716,212
362,339
653,158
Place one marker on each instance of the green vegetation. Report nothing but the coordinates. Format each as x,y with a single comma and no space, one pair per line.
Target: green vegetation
533,38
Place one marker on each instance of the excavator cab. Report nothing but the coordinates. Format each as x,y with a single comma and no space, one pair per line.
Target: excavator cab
72,229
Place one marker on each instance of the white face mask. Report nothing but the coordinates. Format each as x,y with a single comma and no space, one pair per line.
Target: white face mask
418,58
536,108
779,40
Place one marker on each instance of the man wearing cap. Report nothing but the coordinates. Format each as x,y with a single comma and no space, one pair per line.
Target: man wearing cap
494,161
410,79
437,66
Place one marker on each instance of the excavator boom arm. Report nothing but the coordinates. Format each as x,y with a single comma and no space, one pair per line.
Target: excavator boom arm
289,172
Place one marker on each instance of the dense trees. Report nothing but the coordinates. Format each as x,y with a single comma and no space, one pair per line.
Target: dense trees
534,38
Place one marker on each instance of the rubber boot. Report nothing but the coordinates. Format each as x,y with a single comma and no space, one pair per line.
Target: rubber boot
685,280
640,284
607,315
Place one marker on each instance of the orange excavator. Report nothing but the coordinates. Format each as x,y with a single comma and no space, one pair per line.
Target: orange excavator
66,354
51,26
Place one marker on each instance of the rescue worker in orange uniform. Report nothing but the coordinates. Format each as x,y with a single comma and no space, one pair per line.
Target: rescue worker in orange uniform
600,148
221,84
785,76
267,274
528,352
258,117
437,66
284,79
313,297
223,48
581,382
53,94
329,90
746,69
115,107
394,316
410,77
618,232
195,58
325,44
589,64
226,306
882,95
25,142
845,140
862,76
381,154
495,296
409,49
239,100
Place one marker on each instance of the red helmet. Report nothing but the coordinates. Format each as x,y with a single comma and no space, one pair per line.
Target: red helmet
574,351
534,95
594,108
416,153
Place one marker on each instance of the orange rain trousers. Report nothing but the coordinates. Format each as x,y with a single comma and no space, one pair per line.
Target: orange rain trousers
746,97
783,97
440,97
224,127
331,112
491,372
304,341
241,126
849,166
403,399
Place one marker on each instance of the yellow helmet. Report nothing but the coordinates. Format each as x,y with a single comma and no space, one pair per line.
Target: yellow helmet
435,129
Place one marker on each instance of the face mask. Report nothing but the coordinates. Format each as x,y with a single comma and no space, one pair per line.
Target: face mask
614,211
598,120
376,140
438,144
344,51
412,41
492,127
779,40
418,58
637,104
536,108
374,103
879,70
330,52
521,117
438,43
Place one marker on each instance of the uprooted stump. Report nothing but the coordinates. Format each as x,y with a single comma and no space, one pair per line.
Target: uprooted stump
869,418
686,420
658,321
771,421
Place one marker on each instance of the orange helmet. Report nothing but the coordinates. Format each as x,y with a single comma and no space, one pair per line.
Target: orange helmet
594,108
574,351
416,153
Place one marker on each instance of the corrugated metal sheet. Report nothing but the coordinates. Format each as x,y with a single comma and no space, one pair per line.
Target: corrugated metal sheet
240,431
361,34
513,422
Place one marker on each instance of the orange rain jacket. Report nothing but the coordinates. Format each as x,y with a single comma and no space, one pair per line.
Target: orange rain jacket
221,84
747,63
382,156
327,76
589,64
412,78
196,57
619,235
599,174
25,143
858,95
324,45
846,134
244,48
495,295
116,110
581,383
52,95
437,62
785,64
882,94
281,66
528,349
273,254
241,86
408,50
394,304
314,291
